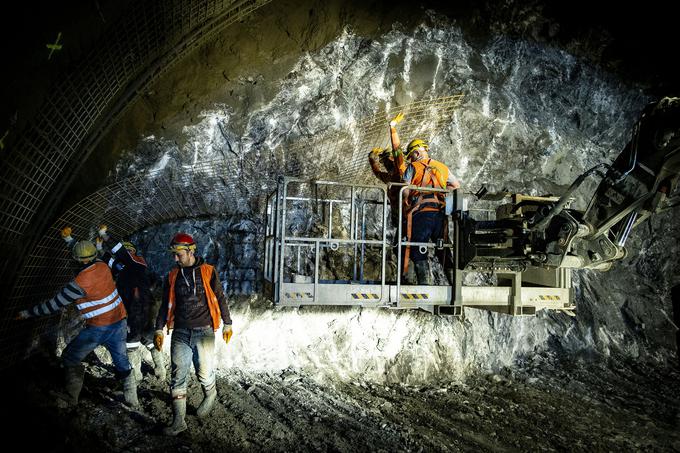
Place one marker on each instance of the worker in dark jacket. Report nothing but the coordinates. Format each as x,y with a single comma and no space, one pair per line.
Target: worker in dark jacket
132,281
95,295
194,305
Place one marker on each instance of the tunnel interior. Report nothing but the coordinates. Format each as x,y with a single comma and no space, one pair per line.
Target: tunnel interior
156,117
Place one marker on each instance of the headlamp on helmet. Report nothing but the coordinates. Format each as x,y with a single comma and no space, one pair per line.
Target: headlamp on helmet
415,144
182,241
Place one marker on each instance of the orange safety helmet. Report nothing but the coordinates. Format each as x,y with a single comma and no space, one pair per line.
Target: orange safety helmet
182,241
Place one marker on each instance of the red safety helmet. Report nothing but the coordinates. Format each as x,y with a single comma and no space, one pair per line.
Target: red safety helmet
182,241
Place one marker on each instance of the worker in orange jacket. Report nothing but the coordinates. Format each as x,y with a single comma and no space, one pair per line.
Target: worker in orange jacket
194,305
423,212
94,293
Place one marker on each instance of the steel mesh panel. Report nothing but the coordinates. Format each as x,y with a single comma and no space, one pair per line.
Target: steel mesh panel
140,46
132,50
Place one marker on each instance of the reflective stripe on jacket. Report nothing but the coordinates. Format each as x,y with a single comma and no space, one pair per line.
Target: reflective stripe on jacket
101,306
213,304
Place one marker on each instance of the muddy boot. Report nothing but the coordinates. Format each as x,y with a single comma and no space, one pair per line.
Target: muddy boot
208,401
73,384
158,364
135,358
423,272
130,390
179,411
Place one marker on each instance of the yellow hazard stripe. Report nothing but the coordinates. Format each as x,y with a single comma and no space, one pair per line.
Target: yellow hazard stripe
365,296
547,297
415,296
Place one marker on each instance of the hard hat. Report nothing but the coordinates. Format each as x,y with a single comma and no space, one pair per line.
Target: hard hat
130,246
415,143
182,241
84,251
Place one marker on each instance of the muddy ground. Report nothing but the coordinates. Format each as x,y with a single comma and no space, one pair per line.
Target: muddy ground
580,405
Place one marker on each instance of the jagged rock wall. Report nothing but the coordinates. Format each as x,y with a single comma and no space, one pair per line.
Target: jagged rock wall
533,118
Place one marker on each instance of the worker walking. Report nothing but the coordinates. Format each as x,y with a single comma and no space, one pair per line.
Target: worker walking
96,297
194,305
132,280
425,211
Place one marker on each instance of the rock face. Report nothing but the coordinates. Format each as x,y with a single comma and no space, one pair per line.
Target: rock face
548,94
534,117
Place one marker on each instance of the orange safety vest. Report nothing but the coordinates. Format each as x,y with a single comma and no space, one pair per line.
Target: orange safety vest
428,174
432,174
101,306
213,304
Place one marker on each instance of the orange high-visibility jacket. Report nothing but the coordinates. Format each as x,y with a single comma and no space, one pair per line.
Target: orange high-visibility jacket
213,304
101,306
428,173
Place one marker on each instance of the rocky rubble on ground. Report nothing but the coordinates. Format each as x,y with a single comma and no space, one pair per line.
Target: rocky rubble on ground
543,405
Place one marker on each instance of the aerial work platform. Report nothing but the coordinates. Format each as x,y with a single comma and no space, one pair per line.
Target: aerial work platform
332,243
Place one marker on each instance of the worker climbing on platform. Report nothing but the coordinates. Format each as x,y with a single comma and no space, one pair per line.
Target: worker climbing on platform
95,295
424,216
194,305
132,280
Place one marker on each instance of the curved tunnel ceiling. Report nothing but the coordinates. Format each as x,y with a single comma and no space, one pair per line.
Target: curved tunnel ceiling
90,98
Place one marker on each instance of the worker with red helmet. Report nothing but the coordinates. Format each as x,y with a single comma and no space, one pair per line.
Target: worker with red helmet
193,306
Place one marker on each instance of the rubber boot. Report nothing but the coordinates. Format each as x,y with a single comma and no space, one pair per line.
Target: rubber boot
179,411
130,390
409,278
423,272
73,384
208,401
135,358
451,276
158,364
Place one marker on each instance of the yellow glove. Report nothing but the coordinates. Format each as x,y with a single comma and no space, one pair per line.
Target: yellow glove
66,234
227,333
397,119
102,230
158,340
98,242
376,151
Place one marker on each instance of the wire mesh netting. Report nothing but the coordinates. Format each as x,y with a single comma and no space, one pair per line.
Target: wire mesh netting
143,44
342,155
210,188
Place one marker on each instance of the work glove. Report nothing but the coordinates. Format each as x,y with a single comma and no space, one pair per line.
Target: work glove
23,314
376,151
66,234
158,340
397,119
103,232
227,333
99,243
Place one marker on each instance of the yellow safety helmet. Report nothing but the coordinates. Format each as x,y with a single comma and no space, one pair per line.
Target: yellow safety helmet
130,246
84,251
416,143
